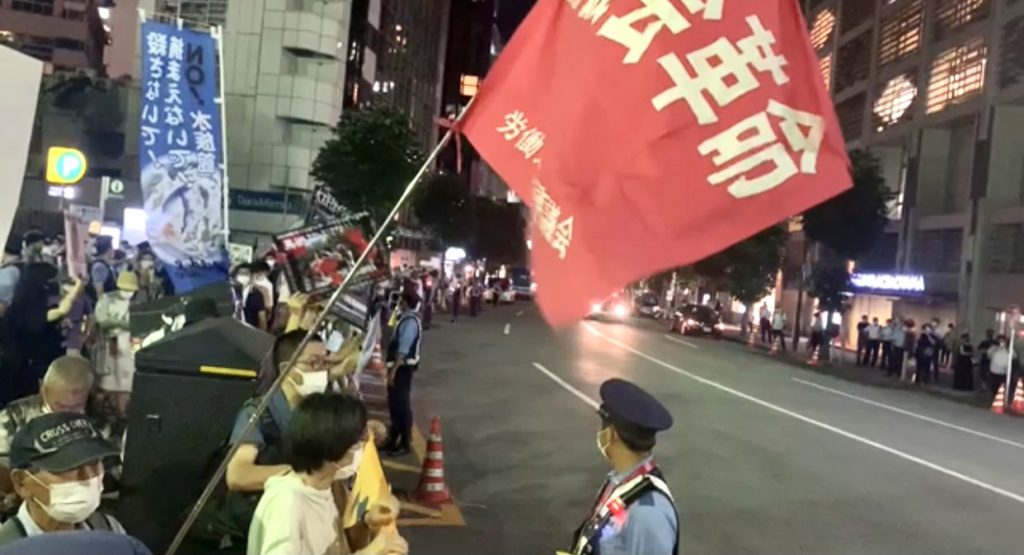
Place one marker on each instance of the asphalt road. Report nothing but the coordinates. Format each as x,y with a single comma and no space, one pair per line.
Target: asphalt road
765,458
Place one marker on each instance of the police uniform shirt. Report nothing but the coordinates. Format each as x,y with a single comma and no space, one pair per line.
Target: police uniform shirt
650,527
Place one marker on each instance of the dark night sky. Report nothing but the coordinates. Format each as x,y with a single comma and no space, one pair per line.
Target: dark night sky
510,14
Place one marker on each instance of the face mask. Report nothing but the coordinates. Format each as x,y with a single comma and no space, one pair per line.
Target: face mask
146,264
262,279
73,502
350,469
270,262
126,295
312,382
603,447
243,280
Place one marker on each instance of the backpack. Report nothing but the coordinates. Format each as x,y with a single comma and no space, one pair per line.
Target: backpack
224,521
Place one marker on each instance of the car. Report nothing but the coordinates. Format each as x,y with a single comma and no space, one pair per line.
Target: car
647,305
615,308
695,319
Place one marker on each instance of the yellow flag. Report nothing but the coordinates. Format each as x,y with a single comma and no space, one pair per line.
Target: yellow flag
370,485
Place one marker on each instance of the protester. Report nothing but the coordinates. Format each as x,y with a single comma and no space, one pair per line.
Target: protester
102,278
31,331
779,328
298,512
79,542
645,521
874,338
57,462
35,243
886,336
261,283
898,351
78,328
963,366
948,346
924,354
262,453
10,271
115,359
403,359
151,285
250,308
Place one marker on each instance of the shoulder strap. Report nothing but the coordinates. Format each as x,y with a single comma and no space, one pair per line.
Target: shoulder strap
98,522
12,530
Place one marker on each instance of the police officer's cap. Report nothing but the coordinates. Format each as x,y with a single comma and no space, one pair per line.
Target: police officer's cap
624,402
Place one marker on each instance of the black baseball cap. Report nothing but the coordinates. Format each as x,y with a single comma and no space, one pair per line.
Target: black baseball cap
58,442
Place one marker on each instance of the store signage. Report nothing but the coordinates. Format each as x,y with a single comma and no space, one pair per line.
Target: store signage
271,202
65,166
899,283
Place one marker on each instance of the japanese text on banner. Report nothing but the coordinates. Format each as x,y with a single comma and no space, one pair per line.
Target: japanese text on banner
180,154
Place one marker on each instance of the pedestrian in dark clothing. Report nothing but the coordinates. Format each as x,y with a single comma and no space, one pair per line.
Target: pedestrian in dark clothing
937,339
862,338
456,301
963,366
925,355
886,344
874,336
403,359
476,295
984,356
948,347
897,350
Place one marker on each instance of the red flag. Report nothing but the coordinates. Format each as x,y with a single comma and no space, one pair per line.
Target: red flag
647,134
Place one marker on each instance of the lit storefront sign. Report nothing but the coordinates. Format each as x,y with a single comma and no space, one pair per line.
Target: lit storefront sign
65,166
892,283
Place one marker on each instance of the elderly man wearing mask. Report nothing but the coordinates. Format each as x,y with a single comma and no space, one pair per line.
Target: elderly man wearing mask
57,462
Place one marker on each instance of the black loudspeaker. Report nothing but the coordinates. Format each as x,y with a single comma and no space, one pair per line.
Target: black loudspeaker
187,391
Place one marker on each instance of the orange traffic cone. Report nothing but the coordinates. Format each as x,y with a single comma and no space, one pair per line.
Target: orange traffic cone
999,403
814,360
432,489
1017,406
775,347
376,363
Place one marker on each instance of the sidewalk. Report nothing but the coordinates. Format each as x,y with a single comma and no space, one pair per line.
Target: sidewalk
843,366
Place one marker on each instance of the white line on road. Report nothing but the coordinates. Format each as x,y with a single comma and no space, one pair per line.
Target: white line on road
582,396
911,414
508,328
681,341
828,427
520,313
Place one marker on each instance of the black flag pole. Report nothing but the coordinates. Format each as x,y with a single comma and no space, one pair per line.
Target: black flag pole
265,400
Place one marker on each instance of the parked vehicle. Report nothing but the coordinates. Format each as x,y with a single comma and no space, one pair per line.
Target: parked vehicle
647,305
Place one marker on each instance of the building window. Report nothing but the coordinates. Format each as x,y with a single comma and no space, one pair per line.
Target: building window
825,65
40,7
853,61
901,31
953,14
469,85
894,101
850,113
854,13
69,44
1011,54
956,75
821,29
1005,245
937,251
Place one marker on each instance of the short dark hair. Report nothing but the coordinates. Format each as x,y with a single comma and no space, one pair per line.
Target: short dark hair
260,267
323,428
239,268
287,345
635,438
411,299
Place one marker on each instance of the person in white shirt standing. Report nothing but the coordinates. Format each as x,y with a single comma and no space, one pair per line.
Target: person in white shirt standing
779,328
874,334
298,513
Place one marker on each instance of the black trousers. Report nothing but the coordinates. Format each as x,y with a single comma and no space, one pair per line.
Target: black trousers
895,367
400,407
886,353
871,353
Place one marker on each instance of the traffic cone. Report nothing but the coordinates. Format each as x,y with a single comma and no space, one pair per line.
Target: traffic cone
1017,406
432,489
376,363
999,403
814,360
775,347
750,340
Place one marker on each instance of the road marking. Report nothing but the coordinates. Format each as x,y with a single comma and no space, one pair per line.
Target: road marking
817,423
579,394
898,410
520,313
681,341
508,328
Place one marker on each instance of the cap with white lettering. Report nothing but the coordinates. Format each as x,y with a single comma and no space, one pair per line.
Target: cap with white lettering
58,442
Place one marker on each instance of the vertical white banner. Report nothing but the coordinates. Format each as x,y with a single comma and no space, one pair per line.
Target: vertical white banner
18,96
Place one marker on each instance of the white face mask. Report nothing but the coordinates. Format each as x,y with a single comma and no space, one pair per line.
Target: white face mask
243,279
146,264
73,502
126,295
312,382
603,447
261,279
350,469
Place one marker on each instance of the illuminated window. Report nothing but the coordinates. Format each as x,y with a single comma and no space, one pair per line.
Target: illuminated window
825,64
469,85
951,14
956,75
821,29
893,104
901,33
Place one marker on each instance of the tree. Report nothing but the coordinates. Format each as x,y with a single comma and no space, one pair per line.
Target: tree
829,282
443,205
747,270
851,223
500,232
370,159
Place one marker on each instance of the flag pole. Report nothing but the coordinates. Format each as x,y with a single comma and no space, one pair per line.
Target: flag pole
217,32
289,368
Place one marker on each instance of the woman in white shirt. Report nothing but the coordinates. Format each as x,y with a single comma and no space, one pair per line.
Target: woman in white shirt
297,514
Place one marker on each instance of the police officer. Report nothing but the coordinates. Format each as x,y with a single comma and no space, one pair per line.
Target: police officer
403,358
634,513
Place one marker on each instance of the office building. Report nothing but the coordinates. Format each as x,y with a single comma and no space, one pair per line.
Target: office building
934,89
65,34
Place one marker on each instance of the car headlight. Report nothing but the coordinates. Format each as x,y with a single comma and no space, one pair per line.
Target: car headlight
533,287
718,326
621,310
595,308
691,322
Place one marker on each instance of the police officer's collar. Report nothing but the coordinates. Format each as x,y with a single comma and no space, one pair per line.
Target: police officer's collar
617,478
